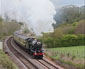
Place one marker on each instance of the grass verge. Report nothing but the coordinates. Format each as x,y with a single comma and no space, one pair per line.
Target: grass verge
5,62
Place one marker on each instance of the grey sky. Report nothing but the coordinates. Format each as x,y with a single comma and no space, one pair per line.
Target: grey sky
60,3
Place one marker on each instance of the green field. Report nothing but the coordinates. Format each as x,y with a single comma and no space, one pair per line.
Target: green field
77,51
73,56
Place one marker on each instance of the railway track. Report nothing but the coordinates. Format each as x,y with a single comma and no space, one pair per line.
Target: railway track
28,61
48,65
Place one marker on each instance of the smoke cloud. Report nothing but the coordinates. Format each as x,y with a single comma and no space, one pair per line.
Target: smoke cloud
37,14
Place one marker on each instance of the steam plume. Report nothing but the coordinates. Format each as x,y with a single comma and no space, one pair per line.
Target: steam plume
37,14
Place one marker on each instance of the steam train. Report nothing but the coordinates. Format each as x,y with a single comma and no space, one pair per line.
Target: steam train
31,45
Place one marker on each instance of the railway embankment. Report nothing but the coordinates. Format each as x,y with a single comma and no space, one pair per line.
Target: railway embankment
5,62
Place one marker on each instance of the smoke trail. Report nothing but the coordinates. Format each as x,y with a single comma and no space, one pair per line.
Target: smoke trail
37,14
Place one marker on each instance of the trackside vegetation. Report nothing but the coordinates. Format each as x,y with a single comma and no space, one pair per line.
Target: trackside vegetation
5,62
66,45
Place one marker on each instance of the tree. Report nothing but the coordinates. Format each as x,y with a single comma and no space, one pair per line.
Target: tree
80,29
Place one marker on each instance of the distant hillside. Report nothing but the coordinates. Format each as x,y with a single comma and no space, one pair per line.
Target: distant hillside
69,14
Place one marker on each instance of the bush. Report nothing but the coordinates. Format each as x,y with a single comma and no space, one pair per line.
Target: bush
73,40
69,40
65,41
49,41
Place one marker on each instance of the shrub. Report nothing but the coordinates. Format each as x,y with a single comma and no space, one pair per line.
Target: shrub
65,41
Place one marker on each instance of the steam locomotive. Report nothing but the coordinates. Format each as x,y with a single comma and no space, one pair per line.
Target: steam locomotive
31,45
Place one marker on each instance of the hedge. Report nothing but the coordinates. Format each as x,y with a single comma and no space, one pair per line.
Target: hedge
65,41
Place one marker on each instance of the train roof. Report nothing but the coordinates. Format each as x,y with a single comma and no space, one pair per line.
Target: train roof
18,34
21,36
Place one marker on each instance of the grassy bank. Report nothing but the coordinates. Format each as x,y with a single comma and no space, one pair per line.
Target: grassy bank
5,62
68,55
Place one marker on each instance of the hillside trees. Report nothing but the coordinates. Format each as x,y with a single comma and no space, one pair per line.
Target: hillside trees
80,29
66,35
69,14
8,28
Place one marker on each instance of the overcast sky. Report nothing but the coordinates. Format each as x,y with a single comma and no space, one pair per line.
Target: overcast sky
60,3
